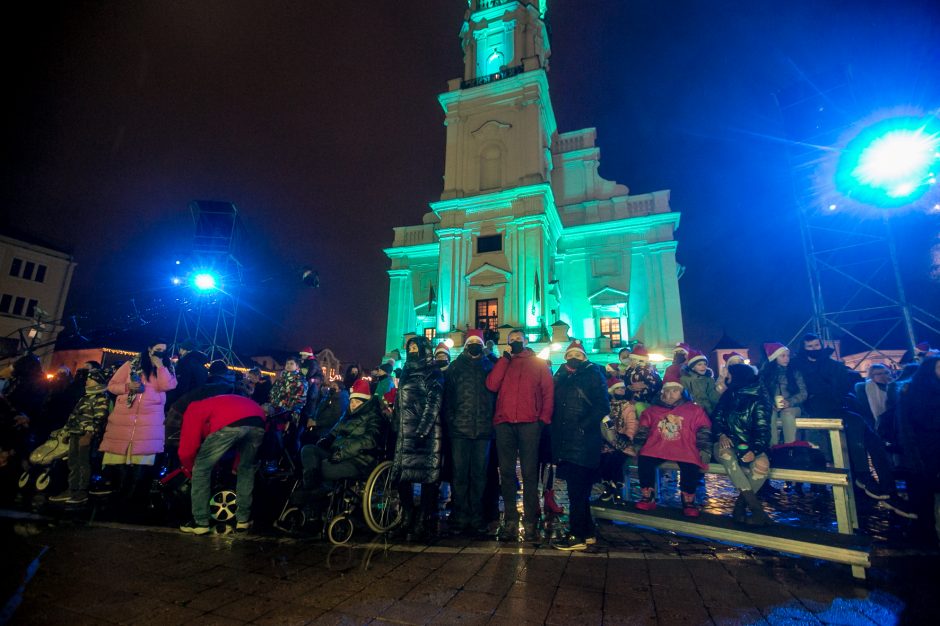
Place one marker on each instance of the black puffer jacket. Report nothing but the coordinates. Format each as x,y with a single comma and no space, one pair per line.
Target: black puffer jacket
357,436
468,404
743,415
581,400
417,419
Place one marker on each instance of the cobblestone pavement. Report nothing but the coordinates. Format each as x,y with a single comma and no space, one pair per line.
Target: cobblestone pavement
72,572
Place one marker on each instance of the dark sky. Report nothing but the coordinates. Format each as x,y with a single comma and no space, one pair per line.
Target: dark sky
319,120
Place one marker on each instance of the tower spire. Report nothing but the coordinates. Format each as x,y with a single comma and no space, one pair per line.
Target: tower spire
504,35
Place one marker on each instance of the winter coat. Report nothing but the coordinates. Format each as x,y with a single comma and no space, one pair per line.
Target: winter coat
625,423
777,385
330,409
468,404
524,389
702,388
357,436
289,391
89,414
191,373
743,415
174,416
581,400
679,433
204,417
647,375
417,422
919,427
828,383
137,429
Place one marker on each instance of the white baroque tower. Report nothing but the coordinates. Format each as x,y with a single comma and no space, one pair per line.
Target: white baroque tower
526,233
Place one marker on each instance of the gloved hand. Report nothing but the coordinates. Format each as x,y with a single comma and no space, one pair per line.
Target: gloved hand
706,456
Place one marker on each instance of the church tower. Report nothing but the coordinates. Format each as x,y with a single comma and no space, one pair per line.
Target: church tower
526,234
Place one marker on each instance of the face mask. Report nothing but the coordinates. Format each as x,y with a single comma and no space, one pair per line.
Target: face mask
412,356
516,346
475,349
625,360
441,363
813,354
159,354
573,363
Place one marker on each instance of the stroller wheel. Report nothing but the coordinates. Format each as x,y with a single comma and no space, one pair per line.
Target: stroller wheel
222,506
292,520
43,480
340,530
24,480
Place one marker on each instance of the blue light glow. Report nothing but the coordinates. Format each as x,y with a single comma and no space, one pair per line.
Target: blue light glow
204,281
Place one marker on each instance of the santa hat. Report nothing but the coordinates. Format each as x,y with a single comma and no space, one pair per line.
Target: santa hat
640,353
682,347
671,379
727,356
774,349
306,350
574,349
615,383
442,349
695,356
360,390
474,336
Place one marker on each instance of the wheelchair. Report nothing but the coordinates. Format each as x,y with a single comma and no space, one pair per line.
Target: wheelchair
372,498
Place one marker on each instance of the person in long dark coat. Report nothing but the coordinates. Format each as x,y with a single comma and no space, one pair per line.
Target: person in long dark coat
417,424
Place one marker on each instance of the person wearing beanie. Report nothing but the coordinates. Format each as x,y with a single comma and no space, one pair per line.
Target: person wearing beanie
468,415
614,453
699,381
641,378
673,429
728,359
741,426
581,400
350,449
84,423
384,380
786,389
680,355
442,356
417,424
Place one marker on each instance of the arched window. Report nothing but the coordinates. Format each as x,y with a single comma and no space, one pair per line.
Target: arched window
494,62
491,160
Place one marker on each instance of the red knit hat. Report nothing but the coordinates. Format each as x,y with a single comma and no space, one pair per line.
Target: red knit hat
774,349
671,379
682,347
614,384
442,348
575,347
306,350
474,336
640,353
360,390
695,356
727,356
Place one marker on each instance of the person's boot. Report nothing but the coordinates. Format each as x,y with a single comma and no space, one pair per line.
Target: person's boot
689,508
739,515
418,530
647,501
551,506
758,516
404,526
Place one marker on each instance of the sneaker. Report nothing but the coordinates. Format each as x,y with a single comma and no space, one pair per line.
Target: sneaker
192,528
101,489
590,540
77,498
689,508
647,501
243,526
61,497
508,530
899,507
570,544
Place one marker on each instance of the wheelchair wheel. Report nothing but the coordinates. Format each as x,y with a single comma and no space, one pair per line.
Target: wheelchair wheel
24,479
381,505
43,480
340,530
292,521
222,506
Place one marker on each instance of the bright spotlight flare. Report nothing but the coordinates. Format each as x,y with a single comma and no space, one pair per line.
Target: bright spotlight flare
204,281
891,163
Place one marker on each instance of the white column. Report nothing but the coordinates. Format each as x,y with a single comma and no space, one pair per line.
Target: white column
401,309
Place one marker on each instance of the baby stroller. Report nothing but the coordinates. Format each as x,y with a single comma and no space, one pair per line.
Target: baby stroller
46,461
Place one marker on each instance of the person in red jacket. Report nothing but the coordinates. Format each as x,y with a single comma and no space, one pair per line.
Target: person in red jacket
524,392
212,427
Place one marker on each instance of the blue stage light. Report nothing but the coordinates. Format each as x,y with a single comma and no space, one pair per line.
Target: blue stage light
204,281
891,163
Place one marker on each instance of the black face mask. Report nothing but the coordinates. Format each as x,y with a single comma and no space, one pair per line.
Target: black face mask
159,354
516,346
412,356
813,354
573,363
474,349
441,364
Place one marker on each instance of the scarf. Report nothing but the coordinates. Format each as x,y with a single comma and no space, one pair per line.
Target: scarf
877,399
136,375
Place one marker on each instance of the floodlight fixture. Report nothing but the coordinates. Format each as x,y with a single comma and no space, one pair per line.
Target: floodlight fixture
205,281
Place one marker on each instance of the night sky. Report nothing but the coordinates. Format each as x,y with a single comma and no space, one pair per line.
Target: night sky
319,120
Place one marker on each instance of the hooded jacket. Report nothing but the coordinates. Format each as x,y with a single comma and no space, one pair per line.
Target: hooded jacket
676,433
524,388
468,404
357,436
743,415
204,417
581,400
702,388
416,419
137,429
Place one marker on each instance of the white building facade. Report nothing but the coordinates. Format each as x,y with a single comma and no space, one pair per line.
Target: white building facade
526,233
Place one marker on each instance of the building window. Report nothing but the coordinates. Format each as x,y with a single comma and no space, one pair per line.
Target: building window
430,333
16,267
18,305
488,314
5,301
490,243
610,327
31,307
40,273
28,270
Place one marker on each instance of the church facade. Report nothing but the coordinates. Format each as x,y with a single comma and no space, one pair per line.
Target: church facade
526,233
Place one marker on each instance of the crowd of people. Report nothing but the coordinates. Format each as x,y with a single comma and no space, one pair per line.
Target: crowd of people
487,423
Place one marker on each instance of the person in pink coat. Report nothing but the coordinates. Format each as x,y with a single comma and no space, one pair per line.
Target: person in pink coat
134,434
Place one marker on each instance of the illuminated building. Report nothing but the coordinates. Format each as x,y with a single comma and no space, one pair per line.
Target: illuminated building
526,233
